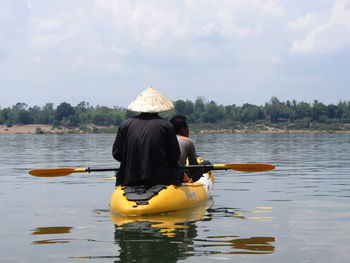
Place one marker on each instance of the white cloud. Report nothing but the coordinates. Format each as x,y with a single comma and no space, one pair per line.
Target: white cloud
55,30
326,32
2,21
303,22
152,23
29,5
272,7
49,24
92,64
186,43
112,50
67,41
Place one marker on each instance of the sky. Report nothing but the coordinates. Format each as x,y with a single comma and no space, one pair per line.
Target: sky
106,52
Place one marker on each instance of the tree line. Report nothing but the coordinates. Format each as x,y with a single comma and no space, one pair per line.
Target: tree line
200,111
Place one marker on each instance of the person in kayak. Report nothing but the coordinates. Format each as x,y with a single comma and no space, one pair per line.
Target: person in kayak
146,145
187,148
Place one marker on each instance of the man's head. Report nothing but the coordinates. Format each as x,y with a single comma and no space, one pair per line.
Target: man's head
180,125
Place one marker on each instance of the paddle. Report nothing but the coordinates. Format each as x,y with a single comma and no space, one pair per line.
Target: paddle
243,167
53,172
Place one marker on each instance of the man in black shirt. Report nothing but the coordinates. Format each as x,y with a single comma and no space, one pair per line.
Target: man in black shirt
146,145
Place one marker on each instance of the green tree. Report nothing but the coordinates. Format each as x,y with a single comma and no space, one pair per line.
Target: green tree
319,110
8,116
332,111
232,113
250,113
180,107
115,117
82,107
48,108
64,110
303,110
47,114
73,120
99,118
273,109
19,106
199,109
23,117
213,113
189,108
184,108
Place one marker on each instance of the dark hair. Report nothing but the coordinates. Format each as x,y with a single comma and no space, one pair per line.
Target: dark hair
179,122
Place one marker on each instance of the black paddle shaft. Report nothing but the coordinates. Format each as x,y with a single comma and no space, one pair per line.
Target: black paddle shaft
202,167
101,170
198,168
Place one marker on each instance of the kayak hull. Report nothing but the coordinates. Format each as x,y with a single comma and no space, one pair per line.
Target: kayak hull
166,223
172,198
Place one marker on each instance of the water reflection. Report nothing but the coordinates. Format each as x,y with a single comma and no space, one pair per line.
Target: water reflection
51,231
237,213
175,235
250,245
143,242
152,238
50,241
309,192
225,212
167,224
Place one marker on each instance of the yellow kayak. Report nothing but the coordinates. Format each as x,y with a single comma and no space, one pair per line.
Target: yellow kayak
166,223
161,199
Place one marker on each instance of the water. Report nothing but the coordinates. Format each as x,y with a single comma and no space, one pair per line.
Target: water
300,212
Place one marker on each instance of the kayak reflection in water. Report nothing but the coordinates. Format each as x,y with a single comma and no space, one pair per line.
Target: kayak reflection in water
156,237
175,236
143,242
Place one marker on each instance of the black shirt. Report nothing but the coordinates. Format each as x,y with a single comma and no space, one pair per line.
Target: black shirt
147,149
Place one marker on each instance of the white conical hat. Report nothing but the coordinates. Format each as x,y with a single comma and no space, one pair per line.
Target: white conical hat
151,101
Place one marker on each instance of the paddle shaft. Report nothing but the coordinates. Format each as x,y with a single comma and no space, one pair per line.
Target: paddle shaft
198,166
248,167
101,170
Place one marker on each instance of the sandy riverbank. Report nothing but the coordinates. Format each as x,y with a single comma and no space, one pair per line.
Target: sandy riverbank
30,129
269,130
49,129
44,129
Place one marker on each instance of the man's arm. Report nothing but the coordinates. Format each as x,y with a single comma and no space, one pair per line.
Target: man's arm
117,146
173,149
192,155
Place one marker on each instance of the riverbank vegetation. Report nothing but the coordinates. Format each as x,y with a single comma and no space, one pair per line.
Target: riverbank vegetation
203,115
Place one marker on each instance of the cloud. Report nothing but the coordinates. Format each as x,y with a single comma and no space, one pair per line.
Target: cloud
152,23
237,45
53,31
272,7
325,31
13,16
2,24
303,22
67,41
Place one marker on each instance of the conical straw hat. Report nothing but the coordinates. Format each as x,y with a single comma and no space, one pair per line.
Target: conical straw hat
151,101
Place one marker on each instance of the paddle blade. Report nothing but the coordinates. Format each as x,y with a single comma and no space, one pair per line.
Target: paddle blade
53,172
245,167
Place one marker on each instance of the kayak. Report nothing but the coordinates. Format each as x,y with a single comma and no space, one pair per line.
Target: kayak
138,201
165,223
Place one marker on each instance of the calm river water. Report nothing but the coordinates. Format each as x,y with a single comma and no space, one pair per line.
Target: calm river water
300,212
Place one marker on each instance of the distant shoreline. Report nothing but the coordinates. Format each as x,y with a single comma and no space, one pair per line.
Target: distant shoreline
90,129
49,129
